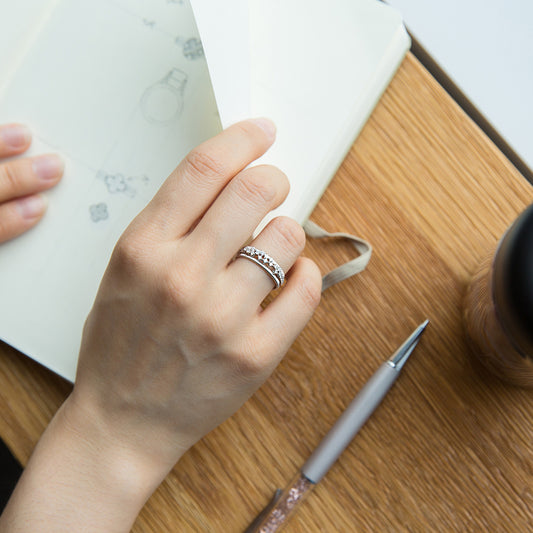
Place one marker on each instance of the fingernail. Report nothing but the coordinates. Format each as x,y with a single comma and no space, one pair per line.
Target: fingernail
31,206
47,167
15,136
266,125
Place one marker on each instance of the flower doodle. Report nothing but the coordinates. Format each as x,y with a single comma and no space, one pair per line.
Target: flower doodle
98,212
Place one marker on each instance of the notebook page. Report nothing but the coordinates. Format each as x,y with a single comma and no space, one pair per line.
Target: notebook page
225,31
121,89
20,23
318,72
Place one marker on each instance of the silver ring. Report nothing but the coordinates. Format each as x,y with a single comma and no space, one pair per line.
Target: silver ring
265,262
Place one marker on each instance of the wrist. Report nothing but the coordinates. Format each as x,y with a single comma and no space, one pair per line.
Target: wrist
81,478
123,470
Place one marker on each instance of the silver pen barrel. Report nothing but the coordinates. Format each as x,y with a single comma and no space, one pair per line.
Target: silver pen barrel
349,423
357,413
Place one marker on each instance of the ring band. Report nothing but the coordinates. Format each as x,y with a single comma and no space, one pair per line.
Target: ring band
265,262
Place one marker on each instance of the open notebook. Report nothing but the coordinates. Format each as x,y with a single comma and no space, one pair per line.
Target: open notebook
122,89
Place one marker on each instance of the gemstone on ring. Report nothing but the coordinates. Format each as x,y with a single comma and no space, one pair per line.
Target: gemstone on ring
261,258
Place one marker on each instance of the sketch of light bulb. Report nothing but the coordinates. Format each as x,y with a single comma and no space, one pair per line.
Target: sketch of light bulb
162,102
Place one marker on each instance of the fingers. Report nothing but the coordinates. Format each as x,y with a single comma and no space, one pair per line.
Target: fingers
14,139
288,314
238,210
21,207
27,176
277,326
283,239
200,177
18,216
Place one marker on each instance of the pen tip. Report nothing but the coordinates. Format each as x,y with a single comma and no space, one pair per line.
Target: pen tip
404,351
418,331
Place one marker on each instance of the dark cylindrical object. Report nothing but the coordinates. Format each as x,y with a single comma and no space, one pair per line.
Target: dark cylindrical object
498,307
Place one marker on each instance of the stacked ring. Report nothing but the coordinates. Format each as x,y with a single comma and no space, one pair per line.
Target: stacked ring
265,262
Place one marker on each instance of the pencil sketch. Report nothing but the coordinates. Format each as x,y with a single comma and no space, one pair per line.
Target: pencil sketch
162,102
157,17
120,184
116,183
193,49
98,212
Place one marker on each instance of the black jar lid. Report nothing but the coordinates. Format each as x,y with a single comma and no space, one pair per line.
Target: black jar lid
513,282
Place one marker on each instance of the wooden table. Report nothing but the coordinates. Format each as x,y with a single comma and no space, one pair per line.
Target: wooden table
450,449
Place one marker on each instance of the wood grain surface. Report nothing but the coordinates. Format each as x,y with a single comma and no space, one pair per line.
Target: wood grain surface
450,447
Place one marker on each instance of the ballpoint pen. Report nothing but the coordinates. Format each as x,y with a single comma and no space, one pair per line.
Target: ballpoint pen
282,505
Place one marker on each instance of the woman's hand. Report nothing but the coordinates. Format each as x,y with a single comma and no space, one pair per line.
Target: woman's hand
21,181
177,339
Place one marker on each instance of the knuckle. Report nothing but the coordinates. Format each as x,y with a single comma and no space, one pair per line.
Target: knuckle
253,358
128,253
249,367
311,284
200,164
210,330
256,189
311,295
7,230
290,232
10,178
